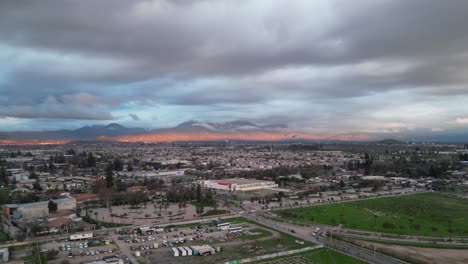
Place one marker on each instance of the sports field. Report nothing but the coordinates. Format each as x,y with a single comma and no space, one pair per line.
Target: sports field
430,214
319,256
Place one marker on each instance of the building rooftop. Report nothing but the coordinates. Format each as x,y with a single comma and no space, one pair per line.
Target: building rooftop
239,181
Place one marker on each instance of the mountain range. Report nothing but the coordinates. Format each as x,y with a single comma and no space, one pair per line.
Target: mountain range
195,130
116,131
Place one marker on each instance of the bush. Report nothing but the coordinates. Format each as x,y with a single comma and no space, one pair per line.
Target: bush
388,225
51,254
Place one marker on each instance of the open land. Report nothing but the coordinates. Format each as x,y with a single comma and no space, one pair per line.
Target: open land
429,214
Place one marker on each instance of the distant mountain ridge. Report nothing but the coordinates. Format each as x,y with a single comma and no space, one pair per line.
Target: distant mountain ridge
83,133
94,132
391,142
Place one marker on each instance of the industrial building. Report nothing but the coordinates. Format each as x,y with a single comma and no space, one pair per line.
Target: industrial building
238,184
36,210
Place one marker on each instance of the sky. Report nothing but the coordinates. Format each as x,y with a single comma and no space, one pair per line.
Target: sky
393,67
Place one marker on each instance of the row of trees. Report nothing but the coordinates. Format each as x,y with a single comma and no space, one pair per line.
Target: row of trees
3,176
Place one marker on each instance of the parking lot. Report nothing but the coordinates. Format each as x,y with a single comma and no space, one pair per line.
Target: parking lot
151,247
81,251
155,247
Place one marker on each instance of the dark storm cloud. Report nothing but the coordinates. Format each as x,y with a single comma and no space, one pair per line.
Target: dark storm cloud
134,117
55,111
100,55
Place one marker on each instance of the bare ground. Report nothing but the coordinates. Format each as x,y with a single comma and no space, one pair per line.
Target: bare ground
420,254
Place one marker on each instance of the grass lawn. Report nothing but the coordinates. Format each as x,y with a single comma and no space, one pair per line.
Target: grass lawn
112,225
430,214
202,204
318,256
215,212
259,233
267,246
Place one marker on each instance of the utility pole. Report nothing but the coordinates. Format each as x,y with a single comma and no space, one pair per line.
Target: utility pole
38,253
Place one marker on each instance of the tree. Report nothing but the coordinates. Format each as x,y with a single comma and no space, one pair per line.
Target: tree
118,164
200,210
199,193
32,175
51,165
52,206
91,161
120,186
37,185
36,228
109,176
367,164
3,176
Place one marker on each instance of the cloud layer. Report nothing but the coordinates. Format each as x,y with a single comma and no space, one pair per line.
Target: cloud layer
322,66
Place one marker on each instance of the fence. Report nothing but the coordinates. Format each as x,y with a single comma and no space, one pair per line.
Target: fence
274,255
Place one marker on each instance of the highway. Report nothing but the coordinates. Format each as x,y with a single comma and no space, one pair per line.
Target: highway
305,233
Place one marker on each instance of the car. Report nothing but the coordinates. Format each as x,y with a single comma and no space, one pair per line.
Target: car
70,254
293,231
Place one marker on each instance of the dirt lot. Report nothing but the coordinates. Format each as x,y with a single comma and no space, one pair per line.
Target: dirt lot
422,255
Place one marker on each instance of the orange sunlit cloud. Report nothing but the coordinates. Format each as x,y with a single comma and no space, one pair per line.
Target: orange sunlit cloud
32,142
248,136
200,136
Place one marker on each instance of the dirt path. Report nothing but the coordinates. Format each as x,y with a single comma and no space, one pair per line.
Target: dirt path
421,255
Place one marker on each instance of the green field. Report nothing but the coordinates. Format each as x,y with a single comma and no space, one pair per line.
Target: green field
429,214
215,212
319,256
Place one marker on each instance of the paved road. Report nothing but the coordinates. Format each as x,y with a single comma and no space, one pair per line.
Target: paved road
305,233
124,248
